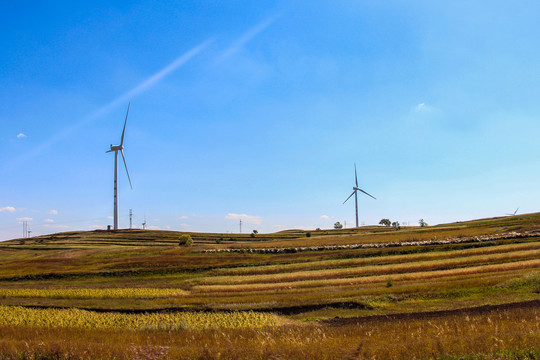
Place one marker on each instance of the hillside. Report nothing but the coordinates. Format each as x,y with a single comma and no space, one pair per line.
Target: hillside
323,278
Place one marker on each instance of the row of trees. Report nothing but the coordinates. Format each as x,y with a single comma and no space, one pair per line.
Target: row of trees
395,224
385,222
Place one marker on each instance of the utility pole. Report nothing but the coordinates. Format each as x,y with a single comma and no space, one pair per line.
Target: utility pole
144,224
240,226
130,217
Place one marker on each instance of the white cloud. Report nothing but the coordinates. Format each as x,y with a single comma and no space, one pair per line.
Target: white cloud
325,217
183,217
279,227
9,209
251,219
110,217
185,225
50,226
425,108
21,135
49,221
53,212
152,227
25,219
167,227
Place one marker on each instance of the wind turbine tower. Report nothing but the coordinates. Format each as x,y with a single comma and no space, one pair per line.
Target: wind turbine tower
355,189
116,149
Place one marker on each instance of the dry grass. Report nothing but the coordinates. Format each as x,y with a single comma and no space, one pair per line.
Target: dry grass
473,334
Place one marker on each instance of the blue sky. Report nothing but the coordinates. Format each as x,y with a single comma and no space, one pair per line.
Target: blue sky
259,110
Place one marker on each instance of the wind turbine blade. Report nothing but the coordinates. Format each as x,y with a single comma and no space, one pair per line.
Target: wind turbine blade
127,172
349,196
355,177
367,193
515,212
125,122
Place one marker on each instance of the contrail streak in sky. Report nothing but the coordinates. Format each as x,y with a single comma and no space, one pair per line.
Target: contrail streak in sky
246,37
145,85
152,80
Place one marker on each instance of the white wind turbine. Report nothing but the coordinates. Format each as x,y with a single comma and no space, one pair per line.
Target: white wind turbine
515,212
355,189
116,149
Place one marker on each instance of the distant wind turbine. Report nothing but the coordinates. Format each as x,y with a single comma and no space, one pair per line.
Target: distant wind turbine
116,149
355,189
515,212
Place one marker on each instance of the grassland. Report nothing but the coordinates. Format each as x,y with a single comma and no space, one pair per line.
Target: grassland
463,290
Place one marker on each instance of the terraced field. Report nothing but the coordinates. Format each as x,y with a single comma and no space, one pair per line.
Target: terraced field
331,285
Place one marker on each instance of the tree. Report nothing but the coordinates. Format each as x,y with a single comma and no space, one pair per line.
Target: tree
338,225
185,239
422,223
255,232
396,226
385,222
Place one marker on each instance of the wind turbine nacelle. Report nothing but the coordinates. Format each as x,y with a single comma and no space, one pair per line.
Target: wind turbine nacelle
116,148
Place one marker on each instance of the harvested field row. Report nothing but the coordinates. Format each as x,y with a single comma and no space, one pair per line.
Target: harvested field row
412,285
419,266
423,275
387,259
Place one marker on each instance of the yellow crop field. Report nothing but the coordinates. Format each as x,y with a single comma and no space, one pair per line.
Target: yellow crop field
75,318
92,293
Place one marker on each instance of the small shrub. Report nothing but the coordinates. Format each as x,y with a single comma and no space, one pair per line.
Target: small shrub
308,234
390,283
219,241
252,235
185,239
